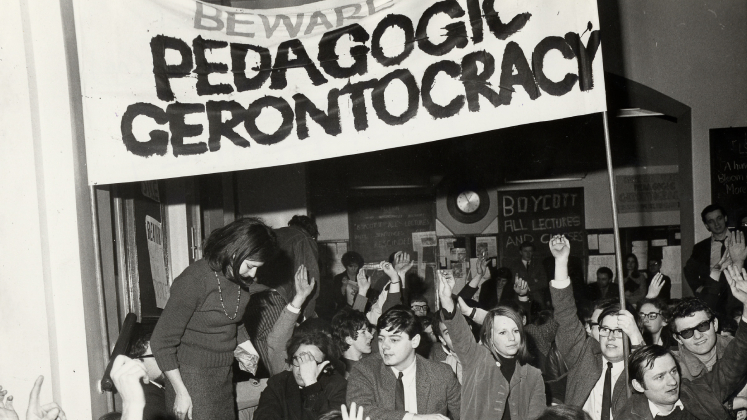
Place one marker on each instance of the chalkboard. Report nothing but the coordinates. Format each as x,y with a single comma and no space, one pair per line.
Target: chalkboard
729,170
536,215
381,225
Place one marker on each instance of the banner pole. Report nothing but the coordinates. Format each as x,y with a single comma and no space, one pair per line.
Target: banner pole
616,228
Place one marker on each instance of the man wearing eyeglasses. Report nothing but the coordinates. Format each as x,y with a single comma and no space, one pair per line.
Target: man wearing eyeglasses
667,393
596,369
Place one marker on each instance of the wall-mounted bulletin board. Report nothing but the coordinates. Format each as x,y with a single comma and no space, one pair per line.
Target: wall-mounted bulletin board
381,225
537,215
729,170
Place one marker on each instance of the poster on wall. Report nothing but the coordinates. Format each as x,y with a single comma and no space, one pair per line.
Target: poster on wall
729,171
536,215
154,235
647,193
179,87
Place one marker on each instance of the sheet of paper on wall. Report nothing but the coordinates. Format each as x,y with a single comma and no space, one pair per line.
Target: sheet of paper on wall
487,243
659,242
444,250
593,241
598,261
423,239
671,265
606,243
640,250
154,235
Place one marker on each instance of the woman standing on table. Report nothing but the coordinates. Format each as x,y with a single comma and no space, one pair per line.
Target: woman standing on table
196,334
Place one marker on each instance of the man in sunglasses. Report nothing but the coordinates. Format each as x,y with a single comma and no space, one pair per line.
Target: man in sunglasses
596,369
700,347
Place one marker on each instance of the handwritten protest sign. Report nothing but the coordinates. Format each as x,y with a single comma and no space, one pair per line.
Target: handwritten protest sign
179,87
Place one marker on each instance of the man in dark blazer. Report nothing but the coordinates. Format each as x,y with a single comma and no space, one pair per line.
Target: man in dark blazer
588,360
426,389
704,270
531,270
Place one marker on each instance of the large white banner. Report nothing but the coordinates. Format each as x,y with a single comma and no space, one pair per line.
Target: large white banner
179,87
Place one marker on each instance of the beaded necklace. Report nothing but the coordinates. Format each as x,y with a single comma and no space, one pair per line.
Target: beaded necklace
220,294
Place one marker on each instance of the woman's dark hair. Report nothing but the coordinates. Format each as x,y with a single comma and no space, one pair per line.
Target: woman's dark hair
486,332
400,319
245,239
346,323
351,257
625,266
564,412
643,359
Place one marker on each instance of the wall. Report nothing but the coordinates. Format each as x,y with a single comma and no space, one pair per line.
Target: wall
274,194
48,293
693,51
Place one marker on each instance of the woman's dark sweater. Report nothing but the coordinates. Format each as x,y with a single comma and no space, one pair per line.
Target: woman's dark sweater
193,328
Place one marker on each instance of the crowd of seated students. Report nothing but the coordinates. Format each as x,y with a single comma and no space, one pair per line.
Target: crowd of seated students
498,349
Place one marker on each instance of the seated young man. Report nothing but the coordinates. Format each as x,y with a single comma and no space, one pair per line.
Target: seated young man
596,378
397,384
310,388
352,334
667,395
443,351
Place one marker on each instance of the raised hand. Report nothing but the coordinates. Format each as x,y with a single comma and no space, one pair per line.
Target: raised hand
657,283
303,286
7,412
390,271
482,269
352,414
127,374
560,247
464,307
736,247
308,368
521,287
446,284
402,263
36,411
737,283
626,322
364,283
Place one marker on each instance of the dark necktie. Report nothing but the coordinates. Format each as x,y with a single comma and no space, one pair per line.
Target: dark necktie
399,394
607,393
723,246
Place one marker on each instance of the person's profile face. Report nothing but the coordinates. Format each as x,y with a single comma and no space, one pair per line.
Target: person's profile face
396,348
445,337
506,336
610,339
662,381
249,268
715,222
362,342
700,342
603,279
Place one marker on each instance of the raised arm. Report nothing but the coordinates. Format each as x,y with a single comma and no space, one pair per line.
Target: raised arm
729,372
464,342
571,335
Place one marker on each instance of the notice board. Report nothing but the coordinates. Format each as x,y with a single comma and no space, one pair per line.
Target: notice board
537,215
381,225
729,170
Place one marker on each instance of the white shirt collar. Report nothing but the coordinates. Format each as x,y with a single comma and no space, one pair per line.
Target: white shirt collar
655,410
406,372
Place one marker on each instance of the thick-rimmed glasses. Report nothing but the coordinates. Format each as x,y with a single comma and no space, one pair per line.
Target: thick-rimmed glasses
605,332
651,315
689,332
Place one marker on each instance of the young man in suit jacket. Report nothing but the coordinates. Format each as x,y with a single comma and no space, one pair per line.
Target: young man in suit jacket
531,271
704,270
589,361
396,383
